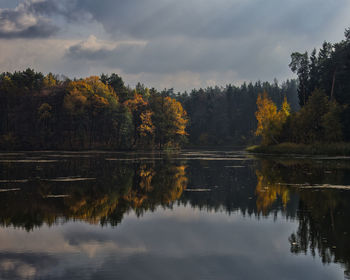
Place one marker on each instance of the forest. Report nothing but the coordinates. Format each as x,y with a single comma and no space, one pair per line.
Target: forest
324,98
226,116
45,112
42,112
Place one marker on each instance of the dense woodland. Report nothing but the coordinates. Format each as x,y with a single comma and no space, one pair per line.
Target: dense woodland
41,112
324,97
225,116
44,112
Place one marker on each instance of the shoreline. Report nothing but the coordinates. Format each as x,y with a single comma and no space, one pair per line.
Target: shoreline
329,149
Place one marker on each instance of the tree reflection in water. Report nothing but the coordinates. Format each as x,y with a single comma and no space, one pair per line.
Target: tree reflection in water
323,211
117,190
291,188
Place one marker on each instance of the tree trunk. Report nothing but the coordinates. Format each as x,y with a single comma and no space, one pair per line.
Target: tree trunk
333,82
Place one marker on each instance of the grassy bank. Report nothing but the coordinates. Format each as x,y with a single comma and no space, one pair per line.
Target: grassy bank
331,149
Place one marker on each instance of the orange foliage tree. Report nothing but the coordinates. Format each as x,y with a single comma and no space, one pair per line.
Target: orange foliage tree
170,120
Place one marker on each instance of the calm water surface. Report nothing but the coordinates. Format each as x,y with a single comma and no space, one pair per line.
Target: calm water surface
191,215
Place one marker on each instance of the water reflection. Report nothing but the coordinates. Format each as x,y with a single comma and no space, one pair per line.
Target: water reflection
323,211
115,189
210,211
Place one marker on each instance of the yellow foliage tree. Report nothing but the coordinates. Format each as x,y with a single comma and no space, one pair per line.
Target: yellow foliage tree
49,81
285,111
177,115
88,102
90,92
270,120
146,127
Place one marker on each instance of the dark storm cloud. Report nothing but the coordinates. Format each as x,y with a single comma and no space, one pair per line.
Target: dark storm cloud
35,18
40,30
192,18
211,19
252,38
26,21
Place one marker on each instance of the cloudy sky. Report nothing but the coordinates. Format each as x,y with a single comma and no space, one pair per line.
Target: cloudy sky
166,43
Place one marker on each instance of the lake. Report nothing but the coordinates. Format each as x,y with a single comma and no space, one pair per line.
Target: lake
188,215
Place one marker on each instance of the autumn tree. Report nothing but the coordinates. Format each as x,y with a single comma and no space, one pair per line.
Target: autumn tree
50,81
87,102
142,118
146,127
170,120
270,120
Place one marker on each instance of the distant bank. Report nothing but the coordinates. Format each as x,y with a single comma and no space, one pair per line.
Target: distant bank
330,149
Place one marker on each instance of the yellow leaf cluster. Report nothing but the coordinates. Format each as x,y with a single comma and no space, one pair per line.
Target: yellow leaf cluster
178,115
89,92
146,127
136,103
270,120
49,80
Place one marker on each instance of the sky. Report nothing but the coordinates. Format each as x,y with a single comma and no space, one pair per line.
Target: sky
180,44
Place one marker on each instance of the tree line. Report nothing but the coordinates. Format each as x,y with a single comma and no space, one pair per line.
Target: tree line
225,115
324,97
43,112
